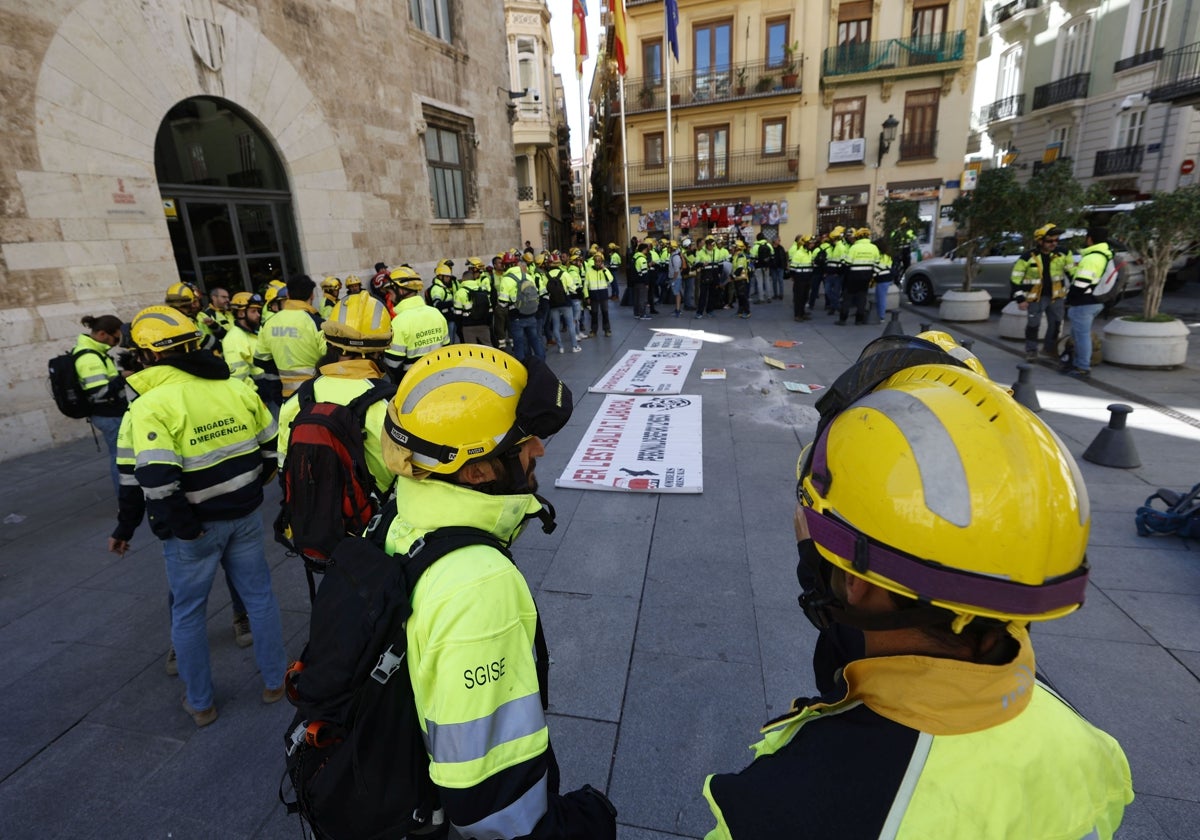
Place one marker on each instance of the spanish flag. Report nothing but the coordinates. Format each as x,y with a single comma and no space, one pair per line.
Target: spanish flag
618,12
579,10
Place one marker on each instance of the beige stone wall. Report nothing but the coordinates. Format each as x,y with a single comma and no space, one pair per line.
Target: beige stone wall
339,87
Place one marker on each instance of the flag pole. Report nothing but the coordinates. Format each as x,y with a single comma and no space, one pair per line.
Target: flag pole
587,227
625,163
666,54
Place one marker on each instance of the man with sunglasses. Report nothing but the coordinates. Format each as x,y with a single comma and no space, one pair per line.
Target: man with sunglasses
937,517
1039,280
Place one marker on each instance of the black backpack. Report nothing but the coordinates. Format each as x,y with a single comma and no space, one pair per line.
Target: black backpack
328,491
355,758
481,307
556,290
763,254
66,388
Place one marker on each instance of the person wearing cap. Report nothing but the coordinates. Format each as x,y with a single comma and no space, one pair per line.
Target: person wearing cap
577,292
187,299
102,382
242,338
353,284
937,518
614,267
760,288
710,278
835,255
472,303
441,296
640,280
862,263
417,327
800,258
379,278
1082,306
331,287
291,345
1039,285
274,297
596,278
463,435
199,446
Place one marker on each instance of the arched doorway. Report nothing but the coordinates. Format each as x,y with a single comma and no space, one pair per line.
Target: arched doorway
226,197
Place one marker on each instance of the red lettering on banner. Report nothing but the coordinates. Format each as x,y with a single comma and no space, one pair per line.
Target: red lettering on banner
589,475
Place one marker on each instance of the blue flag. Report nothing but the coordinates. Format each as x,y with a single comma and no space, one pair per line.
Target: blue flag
672,7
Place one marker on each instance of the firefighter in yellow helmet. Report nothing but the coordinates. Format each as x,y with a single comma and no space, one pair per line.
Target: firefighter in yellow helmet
417,327
331,287
463,434
441,295
353,284
242,338
188,299
291,345
274,297
1040,277
937,518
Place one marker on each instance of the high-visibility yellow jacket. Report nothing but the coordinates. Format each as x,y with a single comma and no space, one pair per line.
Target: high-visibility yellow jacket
289,348
463,298
862,256
238,350
1030,269
417,329
327,303
1093,263
801,257
341,382
475,681
596,279
918,747
199,444
98,374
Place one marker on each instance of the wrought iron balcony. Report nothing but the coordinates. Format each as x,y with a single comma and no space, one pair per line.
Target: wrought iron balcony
1014,8
918,144
692,173
1119,161
1002,109
1138,60
1177,78
894,54
1063,90
716,84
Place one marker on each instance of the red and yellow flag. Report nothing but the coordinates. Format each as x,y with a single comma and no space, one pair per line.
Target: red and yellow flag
622,43
579,23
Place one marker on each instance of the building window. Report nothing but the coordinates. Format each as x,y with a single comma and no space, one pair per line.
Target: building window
848,116
446,157
1151,20
928,33
777,41
713,47
918,137
712,153
1008,82
1129,128
432,16
1074,47
854,24
774,136
1060,138
652,150
652,63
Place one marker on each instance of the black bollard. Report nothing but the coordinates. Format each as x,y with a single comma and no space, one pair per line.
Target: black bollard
1113,447
926,327
894,327
1023,390
968,343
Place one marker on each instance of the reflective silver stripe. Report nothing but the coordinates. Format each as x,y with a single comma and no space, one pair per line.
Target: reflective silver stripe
908,785
127,480
1082,284
125,453
377,320
449,377
192,463
160,492
398,349
159,456
517,820
943,476
452,743
418,352
1094,834
298,373
92,380
271,431
236,483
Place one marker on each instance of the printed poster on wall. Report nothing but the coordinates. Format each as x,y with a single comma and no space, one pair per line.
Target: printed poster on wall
647,372
670,341
646,444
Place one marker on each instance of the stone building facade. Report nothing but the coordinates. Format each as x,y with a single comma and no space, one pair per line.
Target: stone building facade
147,141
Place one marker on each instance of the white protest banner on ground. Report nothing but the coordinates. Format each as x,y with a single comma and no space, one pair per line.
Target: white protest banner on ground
667,341
647,372
647,444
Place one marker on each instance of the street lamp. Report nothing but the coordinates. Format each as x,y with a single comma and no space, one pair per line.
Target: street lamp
886,137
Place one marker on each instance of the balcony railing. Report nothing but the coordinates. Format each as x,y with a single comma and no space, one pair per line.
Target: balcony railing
1063,90
1014,8
897,53
1002,109
1119,161
693,173
716,84
1138,60
918,145
524,193
1178,75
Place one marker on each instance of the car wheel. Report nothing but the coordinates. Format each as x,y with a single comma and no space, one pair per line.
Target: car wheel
920,290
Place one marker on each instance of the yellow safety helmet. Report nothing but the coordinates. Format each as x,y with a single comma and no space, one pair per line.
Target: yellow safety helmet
612,246
443,270
837,232
929,480
406,278
353,283
164,328
468,402
674,244
331,284
805,238
475,263
862,232
245,300
275,293
181,294
359,324
947,343
1041,232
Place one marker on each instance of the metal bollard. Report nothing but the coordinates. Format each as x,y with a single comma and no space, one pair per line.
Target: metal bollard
1113,446
926,327
1023,390
894,327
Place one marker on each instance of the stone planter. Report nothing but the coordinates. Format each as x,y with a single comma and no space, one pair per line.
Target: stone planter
1145,344
965,306
1012,323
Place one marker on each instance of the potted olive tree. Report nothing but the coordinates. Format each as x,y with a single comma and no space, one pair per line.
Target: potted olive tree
984,215
1161,230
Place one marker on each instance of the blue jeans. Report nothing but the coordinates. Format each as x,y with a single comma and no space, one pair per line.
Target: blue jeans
833,292
191,565
562,326
577,316
527,337
777,281
881,290
1081,318
108,428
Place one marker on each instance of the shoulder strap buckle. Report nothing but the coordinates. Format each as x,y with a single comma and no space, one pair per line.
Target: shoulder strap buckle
387,665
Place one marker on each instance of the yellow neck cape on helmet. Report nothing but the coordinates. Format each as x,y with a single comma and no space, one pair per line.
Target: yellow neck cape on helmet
359,324
161,328
406,278
466,403
930,481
